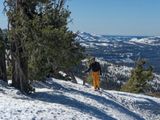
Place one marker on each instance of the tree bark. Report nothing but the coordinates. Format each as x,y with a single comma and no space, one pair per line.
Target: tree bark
19,57
73,79
3,73
19,68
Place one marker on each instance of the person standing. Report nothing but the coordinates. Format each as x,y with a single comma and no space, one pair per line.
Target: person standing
96,72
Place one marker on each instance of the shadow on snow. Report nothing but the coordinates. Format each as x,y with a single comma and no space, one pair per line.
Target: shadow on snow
82,107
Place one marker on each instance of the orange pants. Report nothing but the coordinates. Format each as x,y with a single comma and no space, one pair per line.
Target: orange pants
96,79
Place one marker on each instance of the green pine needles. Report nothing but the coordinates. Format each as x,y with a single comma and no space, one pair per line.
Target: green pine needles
140,76
41,42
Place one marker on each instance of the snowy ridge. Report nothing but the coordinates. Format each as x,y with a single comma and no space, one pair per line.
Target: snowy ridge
154,41
117,72
91,37
122,49
114,69
146,40
125,71
60,100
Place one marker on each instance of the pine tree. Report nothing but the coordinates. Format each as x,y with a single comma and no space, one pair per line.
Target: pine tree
19,16
40,40
3,74
55,46
140,76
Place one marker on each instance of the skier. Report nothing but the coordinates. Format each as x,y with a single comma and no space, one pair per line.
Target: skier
96,72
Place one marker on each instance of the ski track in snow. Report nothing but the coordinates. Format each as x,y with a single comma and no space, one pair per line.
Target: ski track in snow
61,100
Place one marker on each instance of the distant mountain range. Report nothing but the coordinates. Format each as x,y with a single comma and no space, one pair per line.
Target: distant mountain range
122,50
119,54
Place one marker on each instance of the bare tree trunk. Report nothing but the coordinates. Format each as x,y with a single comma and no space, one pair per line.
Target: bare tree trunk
3,67
19,59
3,74
84,80
71,74
20,69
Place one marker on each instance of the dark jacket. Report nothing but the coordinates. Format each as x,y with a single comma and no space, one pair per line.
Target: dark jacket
95,67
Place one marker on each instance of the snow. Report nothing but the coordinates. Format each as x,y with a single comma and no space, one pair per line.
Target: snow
147,41
125,71
128,60
62,73
61,100
106,40
79,81
102,44
84,45
83,36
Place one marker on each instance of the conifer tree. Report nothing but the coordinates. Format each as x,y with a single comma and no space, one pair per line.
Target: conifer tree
19,15
3,74
40,40
140,76
55,46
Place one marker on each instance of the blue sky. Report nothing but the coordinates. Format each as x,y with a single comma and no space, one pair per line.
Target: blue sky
3,19
115,17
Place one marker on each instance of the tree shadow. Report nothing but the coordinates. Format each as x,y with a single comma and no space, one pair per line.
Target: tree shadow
149,105
81,106
71,102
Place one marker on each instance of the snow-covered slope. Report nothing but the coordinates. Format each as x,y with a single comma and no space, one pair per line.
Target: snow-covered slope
155,41
60,100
